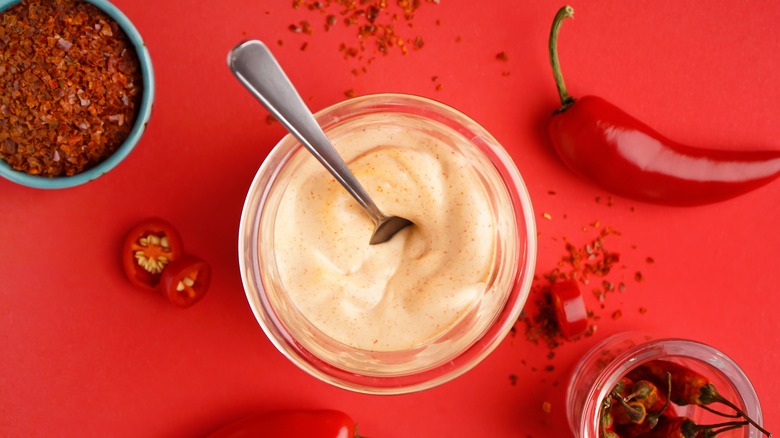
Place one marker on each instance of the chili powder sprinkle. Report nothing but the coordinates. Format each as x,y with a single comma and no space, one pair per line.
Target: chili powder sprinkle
70,86
376,22
583,264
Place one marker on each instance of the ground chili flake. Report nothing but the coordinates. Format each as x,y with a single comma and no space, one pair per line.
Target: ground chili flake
376,22
70,86
583,264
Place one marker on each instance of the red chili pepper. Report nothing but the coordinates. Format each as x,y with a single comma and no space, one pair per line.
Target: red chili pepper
637,430
684,427
324,423
628,413
689,387
655,402
647,393
679,427
601,142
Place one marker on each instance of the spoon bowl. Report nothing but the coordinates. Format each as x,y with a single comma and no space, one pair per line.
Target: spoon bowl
256,68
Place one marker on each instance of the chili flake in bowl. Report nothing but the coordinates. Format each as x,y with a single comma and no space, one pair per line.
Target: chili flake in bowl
76,90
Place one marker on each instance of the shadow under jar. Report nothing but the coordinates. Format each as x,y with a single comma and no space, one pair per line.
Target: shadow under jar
410,313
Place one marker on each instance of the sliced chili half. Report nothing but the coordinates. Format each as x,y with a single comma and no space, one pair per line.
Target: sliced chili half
186,280
148,250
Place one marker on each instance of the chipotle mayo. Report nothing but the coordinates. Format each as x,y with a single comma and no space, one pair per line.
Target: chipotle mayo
411,289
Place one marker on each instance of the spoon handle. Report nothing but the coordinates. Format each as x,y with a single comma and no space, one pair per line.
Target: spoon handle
256,68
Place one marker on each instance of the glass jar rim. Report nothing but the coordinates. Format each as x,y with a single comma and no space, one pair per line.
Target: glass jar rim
586,425
389,384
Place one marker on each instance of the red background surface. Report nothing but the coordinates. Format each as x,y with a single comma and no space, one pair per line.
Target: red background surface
86,354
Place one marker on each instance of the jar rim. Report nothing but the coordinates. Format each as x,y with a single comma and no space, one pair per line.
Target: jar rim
586,424
390,384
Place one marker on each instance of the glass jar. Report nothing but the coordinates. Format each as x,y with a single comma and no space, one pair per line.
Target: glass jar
459,346
601,368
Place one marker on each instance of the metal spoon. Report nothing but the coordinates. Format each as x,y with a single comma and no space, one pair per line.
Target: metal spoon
256,68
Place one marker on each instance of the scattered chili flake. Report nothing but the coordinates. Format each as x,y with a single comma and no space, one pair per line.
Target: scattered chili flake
650,260
546,407
330,21
73,85
350,93
585,263
502,56
375,21
315,5
643,310
513,379
547,216
617,314
303,27
639,277
439,87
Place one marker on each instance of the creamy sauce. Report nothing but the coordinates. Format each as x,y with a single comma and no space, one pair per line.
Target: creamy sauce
411,289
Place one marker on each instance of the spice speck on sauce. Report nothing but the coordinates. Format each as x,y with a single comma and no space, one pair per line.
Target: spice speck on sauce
71,85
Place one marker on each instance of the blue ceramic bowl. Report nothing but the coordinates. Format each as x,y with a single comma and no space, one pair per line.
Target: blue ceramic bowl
142,118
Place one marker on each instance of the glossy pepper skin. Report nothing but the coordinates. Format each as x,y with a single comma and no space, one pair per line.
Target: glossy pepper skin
322,423
625,156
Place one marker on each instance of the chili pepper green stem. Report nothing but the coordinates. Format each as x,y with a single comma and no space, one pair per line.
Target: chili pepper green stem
563,13
708,394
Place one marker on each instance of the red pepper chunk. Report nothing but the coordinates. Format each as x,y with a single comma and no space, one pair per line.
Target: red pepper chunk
603,143
570,311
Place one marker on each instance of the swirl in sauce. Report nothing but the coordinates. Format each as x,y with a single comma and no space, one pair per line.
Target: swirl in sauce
411,289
